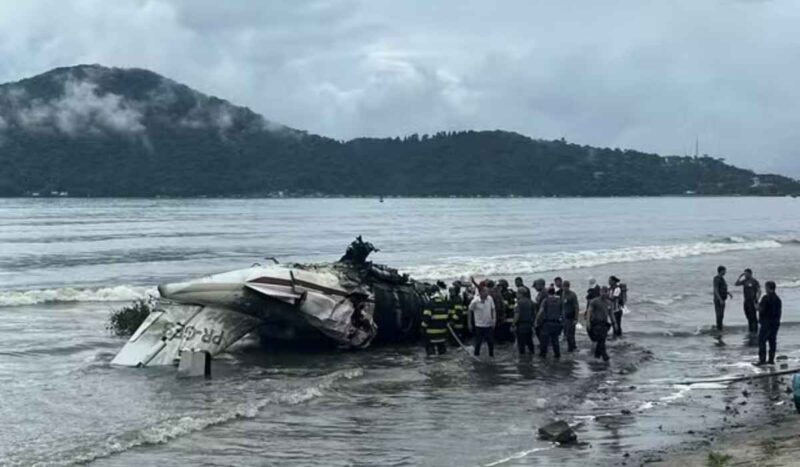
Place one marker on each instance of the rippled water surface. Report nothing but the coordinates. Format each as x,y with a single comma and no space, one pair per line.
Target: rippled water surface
65,263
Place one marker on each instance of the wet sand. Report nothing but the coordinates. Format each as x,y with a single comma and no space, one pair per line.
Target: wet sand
760,429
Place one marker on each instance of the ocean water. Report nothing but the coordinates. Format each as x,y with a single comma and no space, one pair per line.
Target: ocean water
65,263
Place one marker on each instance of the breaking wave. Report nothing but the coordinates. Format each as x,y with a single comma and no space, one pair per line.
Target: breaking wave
175,427
789,284
120,293
535,263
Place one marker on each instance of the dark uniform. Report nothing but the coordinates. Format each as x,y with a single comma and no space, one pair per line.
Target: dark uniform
721,291
551,320
592,293
500,310
570,305
599,324
458,317
524,316
509,303
750,289
434,325
539,298
769,315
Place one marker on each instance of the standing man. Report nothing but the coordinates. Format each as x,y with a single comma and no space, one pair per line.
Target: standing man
751,291
615,294
550,319
558,283
499,306
769,316
519,284
570,305
721,294
591,293
540,294
483,314
523,320
434,324
598,322
458,313
509,304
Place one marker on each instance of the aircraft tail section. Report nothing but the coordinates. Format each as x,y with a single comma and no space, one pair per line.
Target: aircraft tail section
173,328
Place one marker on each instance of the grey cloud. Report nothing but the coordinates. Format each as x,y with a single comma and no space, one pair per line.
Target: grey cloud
646,75
80,109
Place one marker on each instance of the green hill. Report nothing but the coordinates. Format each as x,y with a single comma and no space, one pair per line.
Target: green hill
94,131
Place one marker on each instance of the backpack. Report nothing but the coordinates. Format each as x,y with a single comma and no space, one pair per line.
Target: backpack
623,296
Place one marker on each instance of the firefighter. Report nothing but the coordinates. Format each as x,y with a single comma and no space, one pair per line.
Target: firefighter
434,322
504,333
458,313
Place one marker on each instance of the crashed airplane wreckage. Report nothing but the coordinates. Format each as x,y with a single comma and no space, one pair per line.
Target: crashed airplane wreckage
346,304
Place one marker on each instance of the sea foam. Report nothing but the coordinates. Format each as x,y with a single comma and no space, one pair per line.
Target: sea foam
120,293
534,263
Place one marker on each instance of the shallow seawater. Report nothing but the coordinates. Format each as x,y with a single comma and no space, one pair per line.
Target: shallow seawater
64,264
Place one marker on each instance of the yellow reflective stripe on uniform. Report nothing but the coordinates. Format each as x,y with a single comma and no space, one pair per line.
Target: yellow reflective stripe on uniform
433,331
426,313
440,317
437,341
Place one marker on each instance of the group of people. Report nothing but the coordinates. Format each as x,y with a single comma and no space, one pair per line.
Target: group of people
763,312
490,312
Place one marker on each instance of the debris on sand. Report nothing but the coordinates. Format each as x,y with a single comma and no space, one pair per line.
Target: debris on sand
558,431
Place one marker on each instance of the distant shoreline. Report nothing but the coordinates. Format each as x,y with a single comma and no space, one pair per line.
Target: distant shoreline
377,197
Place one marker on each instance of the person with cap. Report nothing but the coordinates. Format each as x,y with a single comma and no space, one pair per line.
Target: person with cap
751,292
435,318
570,307
484,316
615,295
550,320
721,294
524,315
598,322
769,320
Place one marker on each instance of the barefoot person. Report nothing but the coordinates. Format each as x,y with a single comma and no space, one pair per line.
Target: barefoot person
769,317
721,294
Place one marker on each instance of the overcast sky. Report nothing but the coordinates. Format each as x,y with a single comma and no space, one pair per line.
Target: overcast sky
648,75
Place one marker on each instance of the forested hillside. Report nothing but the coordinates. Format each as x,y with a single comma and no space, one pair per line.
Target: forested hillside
95,131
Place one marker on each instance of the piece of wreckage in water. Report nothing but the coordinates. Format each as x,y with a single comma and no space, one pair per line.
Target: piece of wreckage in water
346,304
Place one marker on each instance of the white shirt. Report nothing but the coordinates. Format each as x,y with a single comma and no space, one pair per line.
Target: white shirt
616,293
483,311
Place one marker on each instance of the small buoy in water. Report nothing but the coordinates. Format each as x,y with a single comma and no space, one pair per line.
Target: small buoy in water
194,363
